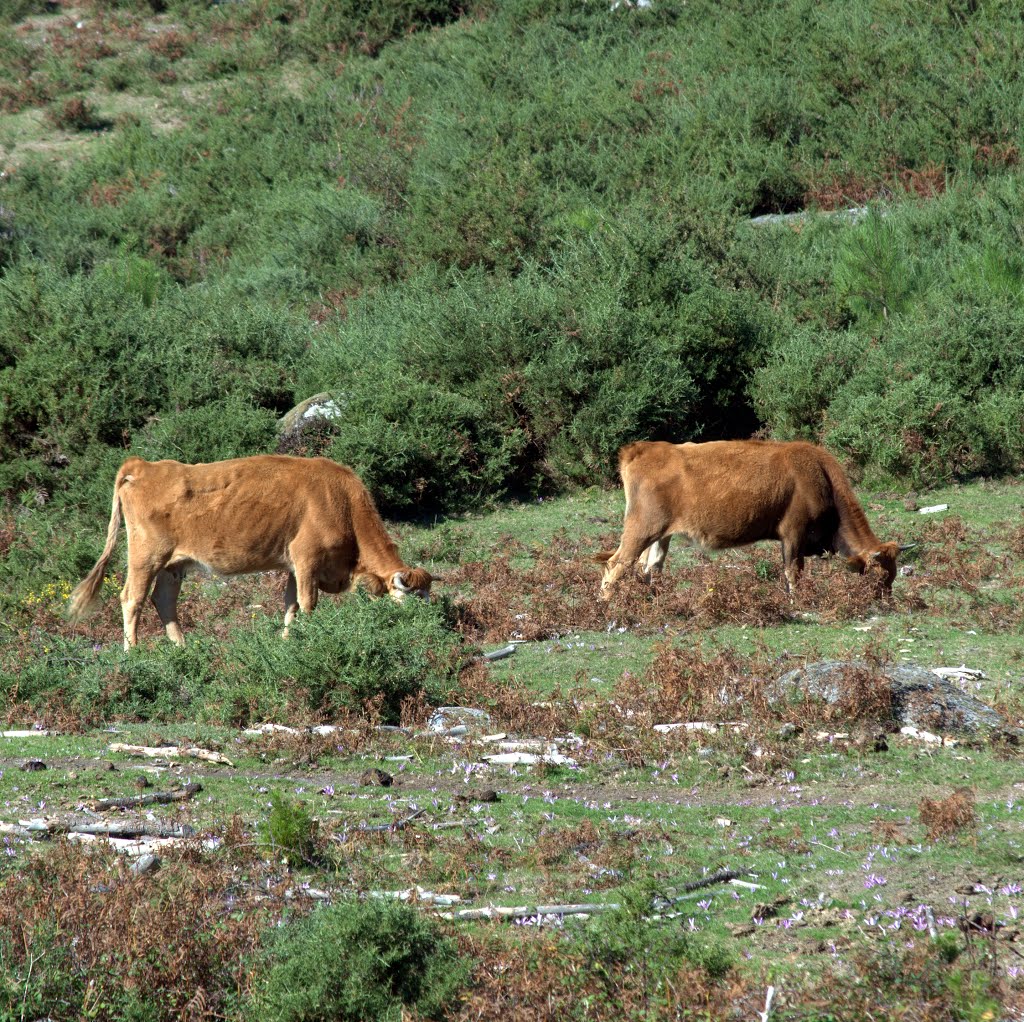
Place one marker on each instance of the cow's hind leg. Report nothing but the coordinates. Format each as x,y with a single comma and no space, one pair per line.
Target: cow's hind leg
165,599
133,596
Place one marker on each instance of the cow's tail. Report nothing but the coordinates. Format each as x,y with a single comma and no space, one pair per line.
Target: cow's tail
85,598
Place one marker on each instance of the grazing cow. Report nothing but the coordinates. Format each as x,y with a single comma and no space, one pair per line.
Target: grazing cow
308,516
728,493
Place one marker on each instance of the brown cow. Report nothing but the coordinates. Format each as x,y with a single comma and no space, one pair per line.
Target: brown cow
728,493
308,516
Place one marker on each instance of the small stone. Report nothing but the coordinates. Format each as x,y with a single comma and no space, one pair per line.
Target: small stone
145,864
446,717
880,744
724,771
978,922
376,776
789,730
142,782
910,502
33,765
105,766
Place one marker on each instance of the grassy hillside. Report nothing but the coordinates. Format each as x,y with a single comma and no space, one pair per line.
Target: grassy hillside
505,238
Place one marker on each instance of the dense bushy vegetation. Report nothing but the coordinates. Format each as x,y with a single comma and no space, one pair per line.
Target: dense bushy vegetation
509,237
505,237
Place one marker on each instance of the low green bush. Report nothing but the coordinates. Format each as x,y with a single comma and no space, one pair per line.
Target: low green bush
370,961
291,830
352,651
626,937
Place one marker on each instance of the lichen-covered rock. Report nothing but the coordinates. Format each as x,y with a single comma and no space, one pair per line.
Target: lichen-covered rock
920,698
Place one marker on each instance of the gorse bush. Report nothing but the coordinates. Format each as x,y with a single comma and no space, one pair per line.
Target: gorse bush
291,829
352,651
457,386
371,961
348,653
509,238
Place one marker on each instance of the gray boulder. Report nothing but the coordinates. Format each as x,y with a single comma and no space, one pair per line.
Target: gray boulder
920,698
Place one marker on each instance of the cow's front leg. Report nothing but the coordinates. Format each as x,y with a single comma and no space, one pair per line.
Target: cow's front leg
291,603
792,566
634,542
653,558
300,593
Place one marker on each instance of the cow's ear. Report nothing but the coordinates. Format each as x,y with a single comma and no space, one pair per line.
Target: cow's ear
603,557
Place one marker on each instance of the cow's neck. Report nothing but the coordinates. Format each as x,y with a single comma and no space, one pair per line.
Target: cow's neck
378,553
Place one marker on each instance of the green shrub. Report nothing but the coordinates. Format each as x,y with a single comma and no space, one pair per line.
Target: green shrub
626,937
291,829
368,961
367,25
460,386
351,651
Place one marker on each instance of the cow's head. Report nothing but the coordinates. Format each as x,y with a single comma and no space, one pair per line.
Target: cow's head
882,560
410,582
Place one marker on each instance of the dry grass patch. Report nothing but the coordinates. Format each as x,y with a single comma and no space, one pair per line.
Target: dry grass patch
946,818
89,939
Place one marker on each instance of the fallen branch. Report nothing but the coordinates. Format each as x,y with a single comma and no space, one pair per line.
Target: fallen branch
722,876
109,828
136,847
170,752
499,654
27,734
531,911
156,798
383,828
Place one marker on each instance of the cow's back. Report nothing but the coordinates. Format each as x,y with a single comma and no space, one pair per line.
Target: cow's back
729,492
239,515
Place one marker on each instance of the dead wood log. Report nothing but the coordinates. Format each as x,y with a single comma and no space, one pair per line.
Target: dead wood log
383,828
156,798
170,752
108,828
721,876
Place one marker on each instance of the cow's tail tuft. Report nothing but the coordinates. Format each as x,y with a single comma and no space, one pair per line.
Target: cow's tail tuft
85,597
